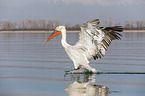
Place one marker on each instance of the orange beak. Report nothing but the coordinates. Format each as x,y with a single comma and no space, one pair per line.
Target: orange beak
52,35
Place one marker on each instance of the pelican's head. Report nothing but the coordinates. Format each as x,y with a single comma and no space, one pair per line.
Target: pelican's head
58,30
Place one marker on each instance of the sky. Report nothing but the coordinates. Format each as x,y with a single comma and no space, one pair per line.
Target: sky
73,11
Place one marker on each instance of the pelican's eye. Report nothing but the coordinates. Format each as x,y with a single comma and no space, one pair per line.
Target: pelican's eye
56,29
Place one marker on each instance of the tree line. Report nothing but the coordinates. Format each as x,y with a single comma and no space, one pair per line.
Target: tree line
51,24
35,25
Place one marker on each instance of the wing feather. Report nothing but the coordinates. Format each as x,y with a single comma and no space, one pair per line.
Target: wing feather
95,40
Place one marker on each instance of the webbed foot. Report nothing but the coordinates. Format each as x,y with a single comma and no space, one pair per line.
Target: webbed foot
77,71
83,71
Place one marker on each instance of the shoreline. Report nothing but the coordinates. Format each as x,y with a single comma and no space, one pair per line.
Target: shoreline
75,31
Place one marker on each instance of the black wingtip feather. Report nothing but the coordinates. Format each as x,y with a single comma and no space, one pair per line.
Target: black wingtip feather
95,57
114,32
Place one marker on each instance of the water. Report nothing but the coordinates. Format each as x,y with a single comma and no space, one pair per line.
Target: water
29,68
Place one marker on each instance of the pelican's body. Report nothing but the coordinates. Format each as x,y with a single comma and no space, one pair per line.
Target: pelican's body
76,53
93,43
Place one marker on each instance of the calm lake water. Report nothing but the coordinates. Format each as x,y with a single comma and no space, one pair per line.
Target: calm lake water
29,68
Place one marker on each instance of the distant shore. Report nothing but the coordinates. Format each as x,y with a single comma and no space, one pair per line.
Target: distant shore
70,31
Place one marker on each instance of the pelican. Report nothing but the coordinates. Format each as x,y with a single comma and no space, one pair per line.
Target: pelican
93,43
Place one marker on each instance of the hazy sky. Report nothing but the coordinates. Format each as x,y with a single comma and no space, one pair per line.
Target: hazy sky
73,11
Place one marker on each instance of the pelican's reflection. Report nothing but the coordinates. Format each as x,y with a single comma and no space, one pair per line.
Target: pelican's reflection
82,87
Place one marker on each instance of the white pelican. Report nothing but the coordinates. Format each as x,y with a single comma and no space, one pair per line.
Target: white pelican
93,42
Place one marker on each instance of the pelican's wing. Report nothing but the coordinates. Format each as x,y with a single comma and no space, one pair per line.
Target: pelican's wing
94,40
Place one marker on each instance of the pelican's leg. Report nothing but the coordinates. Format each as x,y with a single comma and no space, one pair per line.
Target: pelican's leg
76,66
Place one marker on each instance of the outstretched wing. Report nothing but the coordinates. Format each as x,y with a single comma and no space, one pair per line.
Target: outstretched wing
94,40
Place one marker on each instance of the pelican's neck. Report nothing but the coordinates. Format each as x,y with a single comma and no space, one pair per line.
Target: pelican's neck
63,39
